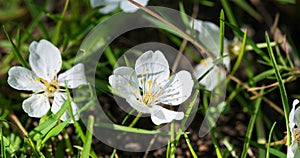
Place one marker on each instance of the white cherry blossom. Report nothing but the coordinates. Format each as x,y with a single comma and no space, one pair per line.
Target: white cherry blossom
149,85
111,5
208,35
45,62
294,120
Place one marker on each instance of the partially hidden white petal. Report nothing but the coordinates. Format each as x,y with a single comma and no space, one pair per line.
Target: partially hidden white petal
226,62
214,76
109,8
292,115
44,59
152,66
124,80
293,150
178,88
160,115
97,3
59,99
21,78
137,104
74,77
127,6
36,106
208,34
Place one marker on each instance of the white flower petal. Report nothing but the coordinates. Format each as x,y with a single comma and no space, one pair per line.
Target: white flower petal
293,150
297,113
294,119
74,77
21,78
292,115
178,88
36,106
97,3
124,80
109,8
44,59
160,115
59,99
128,7
213,78
137,104
208,35
226,62
152,66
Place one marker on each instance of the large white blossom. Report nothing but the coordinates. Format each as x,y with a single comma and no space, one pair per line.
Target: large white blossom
294,120
111,5
45,61
149,85
208,35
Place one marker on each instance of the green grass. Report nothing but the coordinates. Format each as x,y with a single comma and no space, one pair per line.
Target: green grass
261,83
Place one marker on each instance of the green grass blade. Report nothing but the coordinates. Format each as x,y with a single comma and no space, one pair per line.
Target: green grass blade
55,131
40,131
241,55
222,31
58,26
273,151
253,45
15,50
89,136
229,13
174,143
251,126
260,134
215,143
3,150
269,140
190,145
283,94
111,58
129,129
244,5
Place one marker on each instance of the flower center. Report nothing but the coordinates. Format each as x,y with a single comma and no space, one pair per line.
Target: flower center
149,98
149,94
51,87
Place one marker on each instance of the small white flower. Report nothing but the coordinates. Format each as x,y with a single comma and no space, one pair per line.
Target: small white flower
208,35
150,84
45,61
111,5
294,119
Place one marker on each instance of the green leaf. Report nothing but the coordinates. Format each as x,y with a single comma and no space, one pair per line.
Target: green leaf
40,131
229,12
269,140
222,31
55,131
251,126
59,24
244,5
129,129
110,56
283,94
3,150
188,142
89,136
273,151
241,55
15,50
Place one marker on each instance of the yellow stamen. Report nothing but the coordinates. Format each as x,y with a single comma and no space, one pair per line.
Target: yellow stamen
203,62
